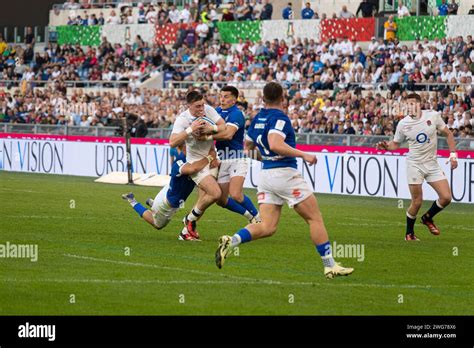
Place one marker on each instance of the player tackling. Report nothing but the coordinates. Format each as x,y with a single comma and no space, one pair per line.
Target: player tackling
280,181
420,129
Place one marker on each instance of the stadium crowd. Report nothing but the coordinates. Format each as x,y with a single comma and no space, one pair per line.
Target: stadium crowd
332,87
342,112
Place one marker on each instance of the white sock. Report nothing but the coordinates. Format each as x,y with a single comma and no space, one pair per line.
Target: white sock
248,215
194,215
328,260
236,240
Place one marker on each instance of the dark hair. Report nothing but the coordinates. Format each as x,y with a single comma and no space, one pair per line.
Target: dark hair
414,96
193,96
234,91
272,92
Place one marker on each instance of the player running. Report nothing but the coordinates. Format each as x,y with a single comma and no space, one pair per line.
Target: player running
234,164
420,129
271,132
171,197
198,120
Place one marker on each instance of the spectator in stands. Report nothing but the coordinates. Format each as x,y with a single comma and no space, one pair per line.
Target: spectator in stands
390,29
267,11
71,5
471,11
101,19
443,8
287,12
307,12
453,8
402,10
185,15
227,15
3,45
345,13
29,37
151,15
113,18
174,14
367,8
202,31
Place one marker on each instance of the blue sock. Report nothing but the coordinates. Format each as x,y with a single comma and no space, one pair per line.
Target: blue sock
242,236
235,207
140,209
325,250
248,205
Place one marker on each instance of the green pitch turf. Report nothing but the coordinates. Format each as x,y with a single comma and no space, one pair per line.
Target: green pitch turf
83,230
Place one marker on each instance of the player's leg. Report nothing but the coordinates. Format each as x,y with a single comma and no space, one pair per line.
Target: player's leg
308,209
143,212
444,193
230,203
270,215
224,180
209,193
416,193
236,193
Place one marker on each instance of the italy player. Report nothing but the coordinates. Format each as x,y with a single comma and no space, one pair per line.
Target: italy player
420,129
234,164
171,197
271,132
190,126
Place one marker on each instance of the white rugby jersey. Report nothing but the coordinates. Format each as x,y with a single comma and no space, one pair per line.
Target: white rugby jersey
195,149
421,135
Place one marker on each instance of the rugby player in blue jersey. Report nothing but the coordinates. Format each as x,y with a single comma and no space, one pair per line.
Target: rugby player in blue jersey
172,197
272,134
234,164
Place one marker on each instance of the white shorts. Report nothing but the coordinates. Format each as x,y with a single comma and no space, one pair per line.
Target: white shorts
161,209
280,185
418,172
232,168
206,171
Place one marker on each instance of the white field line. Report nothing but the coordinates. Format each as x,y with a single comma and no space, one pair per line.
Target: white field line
224,282
168,268
51,217
237,280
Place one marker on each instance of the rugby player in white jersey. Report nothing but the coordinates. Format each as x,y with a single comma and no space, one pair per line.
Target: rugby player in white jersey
420,130
190,126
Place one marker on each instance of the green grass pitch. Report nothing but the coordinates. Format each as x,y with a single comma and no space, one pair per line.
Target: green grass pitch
83,229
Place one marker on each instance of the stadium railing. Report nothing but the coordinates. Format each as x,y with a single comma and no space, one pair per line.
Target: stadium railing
425,86
109,3
164,133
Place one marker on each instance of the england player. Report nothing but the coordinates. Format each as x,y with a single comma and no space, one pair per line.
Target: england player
171,197
420,129
271,132
234,164
198,120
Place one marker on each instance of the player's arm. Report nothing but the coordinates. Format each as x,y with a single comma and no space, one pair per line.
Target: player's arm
277,144
251,150
387,145
180,134
227,133
453,156
193,168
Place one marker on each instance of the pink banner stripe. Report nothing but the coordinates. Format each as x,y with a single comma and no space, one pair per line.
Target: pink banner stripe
358,150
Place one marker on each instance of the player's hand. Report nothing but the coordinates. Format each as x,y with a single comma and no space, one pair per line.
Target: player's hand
215,163
311,159
381,145
198,125
453,159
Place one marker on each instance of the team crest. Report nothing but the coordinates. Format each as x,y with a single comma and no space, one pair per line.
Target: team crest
428,122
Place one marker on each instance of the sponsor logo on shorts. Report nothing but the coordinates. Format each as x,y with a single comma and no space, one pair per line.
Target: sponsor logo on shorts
261,196
296,193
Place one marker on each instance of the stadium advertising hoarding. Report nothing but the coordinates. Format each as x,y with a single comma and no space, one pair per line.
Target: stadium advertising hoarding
340,170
